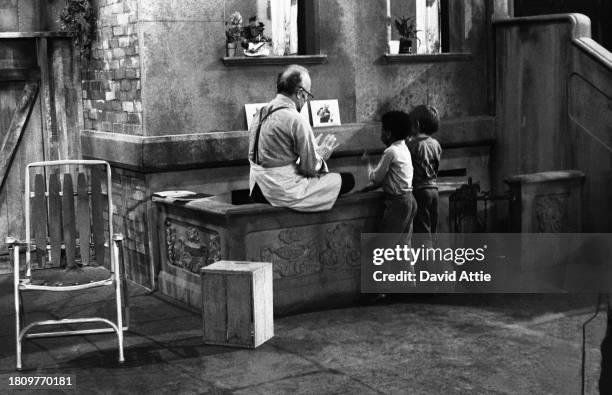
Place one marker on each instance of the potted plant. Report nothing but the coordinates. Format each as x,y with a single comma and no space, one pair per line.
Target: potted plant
78,19
233,33
408,34
255,43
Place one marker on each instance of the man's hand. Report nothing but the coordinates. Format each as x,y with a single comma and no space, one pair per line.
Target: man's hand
326,145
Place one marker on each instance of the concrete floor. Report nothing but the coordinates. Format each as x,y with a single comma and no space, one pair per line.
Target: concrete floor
493,344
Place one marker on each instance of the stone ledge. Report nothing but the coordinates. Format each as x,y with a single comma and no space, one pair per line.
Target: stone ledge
326,271
581,24
273,60
222,213
429,58
546,176
199,150
47,34
595,50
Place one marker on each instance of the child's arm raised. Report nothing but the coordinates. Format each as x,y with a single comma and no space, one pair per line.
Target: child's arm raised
376,174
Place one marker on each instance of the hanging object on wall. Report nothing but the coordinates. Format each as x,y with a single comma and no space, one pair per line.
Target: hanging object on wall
78,19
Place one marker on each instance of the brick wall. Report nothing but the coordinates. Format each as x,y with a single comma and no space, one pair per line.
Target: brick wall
112,103
111,78
130,218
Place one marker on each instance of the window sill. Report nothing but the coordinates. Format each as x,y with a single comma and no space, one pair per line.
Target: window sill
273,60
46,34
427,58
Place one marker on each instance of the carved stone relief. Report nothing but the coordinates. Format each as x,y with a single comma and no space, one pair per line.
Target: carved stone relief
551,212
341,247
299,252
190,247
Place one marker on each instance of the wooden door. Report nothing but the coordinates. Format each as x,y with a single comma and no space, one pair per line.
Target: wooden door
39,118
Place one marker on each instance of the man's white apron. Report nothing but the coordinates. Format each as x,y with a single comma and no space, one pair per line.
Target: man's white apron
285,187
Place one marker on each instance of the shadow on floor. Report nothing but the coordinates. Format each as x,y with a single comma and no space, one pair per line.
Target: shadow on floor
404,344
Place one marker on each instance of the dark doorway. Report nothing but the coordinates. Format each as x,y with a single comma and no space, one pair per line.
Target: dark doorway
600,12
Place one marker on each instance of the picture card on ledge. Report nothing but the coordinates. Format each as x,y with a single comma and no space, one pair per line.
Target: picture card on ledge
252,108
251,111
325,113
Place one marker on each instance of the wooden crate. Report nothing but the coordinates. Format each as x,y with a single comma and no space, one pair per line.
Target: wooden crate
237,303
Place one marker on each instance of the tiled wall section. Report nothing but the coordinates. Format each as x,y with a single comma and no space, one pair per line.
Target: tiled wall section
129,218
111,79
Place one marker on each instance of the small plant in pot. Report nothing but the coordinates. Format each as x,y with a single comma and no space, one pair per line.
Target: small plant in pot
408,34
233,33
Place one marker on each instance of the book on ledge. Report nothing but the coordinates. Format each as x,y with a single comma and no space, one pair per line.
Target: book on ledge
179,196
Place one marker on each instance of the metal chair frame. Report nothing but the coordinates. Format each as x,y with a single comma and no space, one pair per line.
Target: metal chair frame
24,284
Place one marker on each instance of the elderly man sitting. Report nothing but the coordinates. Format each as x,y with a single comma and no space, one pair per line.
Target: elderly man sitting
288,166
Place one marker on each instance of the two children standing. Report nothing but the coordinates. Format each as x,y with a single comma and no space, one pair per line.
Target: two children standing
407,171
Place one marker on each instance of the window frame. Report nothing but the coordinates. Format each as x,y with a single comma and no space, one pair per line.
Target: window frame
452,48
308,42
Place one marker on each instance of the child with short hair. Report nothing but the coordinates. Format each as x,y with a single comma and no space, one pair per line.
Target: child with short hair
394,174
426,152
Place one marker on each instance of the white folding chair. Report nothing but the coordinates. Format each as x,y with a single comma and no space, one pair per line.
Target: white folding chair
66,245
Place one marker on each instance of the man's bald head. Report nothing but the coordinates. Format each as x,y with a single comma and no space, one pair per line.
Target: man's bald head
292,79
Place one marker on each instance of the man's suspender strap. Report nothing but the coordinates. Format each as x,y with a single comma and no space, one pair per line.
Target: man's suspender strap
256,143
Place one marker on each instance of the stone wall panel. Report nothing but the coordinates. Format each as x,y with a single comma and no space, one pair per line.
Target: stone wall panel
181,10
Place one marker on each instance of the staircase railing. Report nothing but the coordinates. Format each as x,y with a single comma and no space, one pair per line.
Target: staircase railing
554,105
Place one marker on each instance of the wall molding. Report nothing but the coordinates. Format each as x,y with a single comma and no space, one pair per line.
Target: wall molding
204,150
242,61
429,58
581,24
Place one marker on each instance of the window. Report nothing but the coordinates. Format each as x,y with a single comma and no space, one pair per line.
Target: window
441,28
428,26
281,19
292,27
425,17
308,27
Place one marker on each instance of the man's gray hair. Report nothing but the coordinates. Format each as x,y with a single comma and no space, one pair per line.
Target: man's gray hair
290,79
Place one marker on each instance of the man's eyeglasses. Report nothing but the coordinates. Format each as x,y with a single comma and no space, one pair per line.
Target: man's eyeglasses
309,96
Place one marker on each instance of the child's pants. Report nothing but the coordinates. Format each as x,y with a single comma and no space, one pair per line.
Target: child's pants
399,213
426,220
